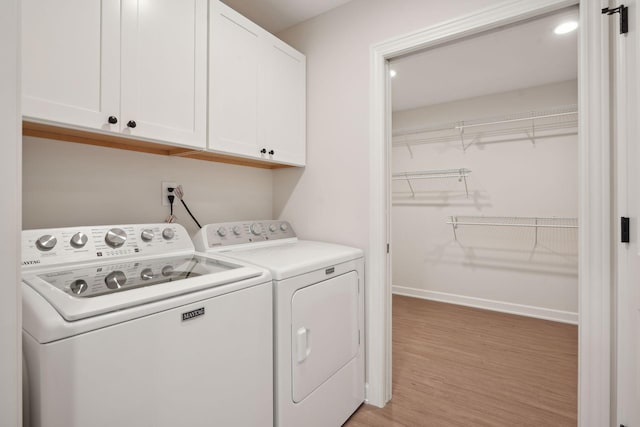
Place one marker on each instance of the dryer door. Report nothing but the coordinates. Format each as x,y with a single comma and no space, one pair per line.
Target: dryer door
325,331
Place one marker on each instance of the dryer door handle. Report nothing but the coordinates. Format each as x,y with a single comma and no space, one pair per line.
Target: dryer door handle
303,344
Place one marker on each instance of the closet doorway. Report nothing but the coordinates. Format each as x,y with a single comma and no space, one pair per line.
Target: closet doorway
484,226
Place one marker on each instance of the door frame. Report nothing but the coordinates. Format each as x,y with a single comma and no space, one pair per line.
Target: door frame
595,236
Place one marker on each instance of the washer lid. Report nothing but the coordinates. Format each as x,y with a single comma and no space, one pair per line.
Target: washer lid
295,258
87,290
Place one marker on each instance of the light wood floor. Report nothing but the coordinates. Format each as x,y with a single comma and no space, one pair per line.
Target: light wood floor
461,366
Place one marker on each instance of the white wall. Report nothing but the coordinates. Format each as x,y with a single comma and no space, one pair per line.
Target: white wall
67,184
502,267
329,200
10,164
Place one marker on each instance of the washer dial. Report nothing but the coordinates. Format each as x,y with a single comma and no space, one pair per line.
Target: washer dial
115,237
78,286
273,228
78,240
236,230
46,242
146,274
147,235
167,270
115,279
256,228
284,226
168,233
222,231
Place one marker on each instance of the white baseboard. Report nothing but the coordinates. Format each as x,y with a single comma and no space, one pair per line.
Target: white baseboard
504,307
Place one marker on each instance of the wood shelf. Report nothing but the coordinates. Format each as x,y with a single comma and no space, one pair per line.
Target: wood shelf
41,130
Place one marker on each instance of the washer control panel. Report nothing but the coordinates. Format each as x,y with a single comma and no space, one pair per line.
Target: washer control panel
237,233
77,244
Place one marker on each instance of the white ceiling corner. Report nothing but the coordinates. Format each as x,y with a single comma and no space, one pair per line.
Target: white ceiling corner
517,57
277,15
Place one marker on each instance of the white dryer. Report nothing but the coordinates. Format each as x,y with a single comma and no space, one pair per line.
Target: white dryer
128,326
318,314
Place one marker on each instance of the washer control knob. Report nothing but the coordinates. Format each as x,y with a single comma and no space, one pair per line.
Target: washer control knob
167,270
147,235
78,286
115,237
222,231
146,274
115,279
236,230
273,228
46,242
168,233
284,226
256,228
78,240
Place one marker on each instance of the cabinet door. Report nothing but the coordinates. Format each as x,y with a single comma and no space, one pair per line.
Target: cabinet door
71,61
235,44
164,70
284,102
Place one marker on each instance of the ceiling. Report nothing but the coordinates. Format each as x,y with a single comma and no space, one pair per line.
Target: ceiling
524,55
277,15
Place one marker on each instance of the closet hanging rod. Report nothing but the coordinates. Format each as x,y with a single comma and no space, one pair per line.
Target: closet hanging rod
436,174
520,221
558,111
498,224
461,127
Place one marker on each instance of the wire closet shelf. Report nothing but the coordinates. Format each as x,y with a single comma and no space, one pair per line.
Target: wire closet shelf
513,221
460,174
530,124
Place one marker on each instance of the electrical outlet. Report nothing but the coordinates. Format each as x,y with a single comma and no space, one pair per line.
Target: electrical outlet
165,192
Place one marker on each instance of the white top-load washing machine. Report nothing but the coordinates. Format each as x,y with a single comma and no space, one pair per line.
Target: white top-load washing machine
127,326
318,315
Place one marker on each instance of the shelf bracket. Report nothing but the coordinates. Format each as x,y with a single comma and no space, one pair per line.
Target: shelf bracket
454,220
461,130
464,177
410,151
413,193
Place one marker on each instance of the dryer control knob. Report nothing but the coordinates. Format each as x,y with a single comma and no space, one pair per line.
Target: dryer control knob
46,242
147,235
115,279
222,231
273,228
146,274
78,286
237,230
168,233
256,228
115,237
284,226
78,240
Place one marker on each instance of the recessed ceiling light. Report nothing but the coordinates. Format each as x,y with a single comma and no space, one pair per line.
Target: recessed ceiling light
393,73
566,27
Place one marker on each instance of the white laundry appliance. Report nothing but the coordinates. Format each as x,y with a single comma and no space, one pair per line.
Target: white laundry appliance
318,317
127,326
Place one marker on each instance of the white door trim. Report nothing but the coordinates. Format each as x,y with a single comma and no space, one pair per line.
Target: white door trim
595,197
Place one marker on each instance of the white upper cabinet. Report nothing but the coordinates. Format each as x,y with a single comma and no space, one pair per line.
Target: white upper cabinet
284,103
235,47
71,61
164,70
257,87
139,63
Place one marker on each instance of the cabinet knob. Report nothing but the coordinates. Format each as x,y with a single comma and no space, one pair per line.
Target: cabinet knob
113,120
272,152
131,124
263,151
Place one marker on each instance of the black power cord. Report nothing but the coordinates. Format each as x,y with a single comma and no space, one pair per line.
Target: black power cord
180,193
